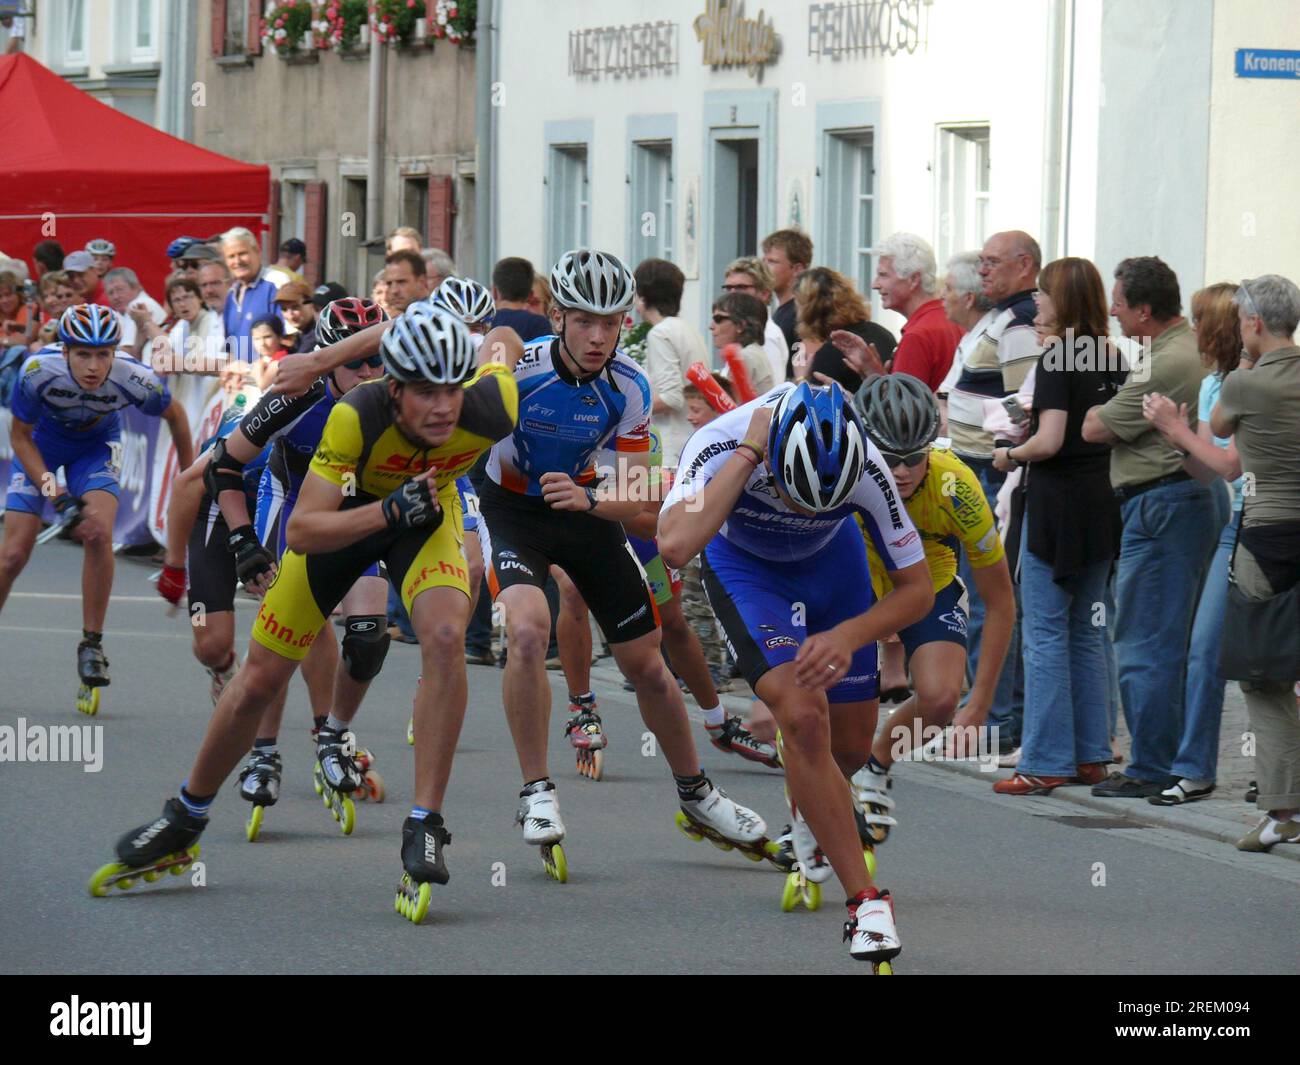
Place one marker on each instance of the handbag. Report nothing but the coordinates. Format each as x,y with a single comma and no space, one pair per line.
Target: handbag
1261,637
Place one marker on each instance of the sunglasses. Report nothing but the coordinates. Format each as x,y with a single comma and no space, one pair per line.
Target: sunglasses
911,460
718,319
374,362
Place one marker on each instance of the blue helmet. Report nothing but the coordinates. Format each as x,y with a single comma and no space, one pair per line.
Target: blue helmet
815,446
180,246
88,325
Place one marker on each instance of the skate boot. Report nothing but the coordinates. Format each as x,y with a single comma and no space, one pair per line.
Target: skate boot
222,677
168,844
732,736
92,667
726,824
868,844
372,784
422,863
784,858
870,930
259,783
584,731
811,867
539,816
870,788
335,775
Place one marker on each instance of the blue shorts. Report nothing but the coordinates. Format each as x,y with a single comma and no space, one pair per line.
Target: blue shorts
89,465
468,503
946,622
277,493
767,609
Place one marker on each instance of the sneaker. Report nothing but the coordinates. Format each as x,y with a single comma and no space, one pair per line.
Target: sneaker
1009,760
1185,790
1090,772
1252,792
732,736
1120,786
1268,833
1027,784
479,658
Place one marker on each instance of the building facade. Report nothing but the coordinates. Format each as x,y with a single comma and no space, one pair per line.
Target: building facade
304,112
689,129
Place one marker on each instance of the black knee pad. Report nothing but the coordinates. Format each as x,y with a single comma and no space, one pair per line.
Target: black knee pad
365,645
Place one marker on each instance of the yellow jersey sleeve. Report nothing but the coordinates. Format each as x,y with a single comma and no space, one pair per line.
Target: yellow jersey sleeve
965,509
340,446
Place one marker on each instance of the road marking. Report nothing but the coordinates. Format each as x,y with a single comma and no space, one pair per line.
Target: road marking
112,633
155,599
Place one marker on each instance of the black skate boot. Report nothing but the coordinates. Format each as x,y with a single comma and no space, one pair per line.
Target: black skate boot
168,844
92,668
335,775
259,783
422,863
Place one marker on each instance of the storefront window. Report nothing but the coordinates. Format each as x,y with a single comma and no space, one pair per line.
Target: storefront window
851,204
652,200
964,170
567,191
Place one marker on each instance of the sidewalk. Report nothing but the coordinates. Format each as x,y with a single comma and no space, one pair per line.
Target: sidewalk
1224,817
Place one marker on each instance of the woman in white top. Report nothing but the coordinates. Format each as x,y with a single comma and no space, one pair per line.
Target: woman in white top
670,348
190,356
739,318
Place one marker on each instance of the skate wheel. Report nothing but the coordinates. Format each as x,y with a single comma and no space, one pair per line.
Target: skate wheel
410,733
870,857
254,825
421,905
883,969
125,884
151,875
317,781
812,896
88,700
184,860
687,827
376,786
752,856
790,893
597,767
557,866
99,883
348,819
721,844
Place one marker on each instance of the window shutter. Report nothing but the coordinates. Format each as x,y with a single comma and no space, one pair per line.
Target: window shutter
442,212
253,44
274,215
314,233
218,27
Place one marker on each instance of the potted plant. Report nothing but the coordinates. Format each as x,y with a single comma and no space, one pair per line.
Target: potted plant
346,20
286,23
394,20
454,20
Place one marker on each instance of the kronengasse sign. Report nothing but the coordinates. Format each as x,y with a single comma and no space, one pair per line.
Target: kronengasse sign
731,40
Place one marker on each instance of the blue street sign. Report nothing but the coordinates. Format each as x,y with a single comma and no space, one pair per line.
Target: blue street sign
1267,63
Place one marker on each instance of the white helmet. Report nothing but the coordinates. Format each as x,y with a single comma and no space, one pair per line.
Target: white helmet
592,281
466,299
427,343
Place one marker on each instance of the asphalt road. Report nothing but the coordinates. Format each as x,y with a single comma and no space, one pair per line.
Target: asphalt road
983,884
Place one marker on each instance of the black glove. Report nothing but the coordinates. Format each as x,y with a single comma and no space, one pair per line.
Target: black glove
68,509
413,506
252,560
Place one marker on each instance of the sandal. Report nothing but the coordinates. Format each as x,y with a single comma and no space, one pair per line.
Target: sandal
1177,794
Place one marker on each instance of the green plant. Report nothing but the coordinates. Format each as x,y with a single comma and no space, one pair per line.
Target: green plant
394,20
345,19
286,22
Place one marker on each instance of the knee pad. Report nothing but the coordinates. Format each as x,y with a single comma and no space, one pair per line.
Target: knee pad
365,645
224,472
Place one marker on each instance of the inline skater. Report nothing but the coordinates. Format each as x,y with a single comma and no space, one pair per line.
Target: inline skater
380,487
948,507
541,507
65,416
766,492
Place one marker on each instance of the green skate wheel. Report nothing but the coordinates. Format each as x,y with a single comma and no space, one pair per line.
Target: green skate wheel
254,825
421,904
752,856
410,733
884,969
397,902
152,875
88,700
99,885
687,826
790,893
349,815
316,781
812,896
870,856
721,844
125,884
557,867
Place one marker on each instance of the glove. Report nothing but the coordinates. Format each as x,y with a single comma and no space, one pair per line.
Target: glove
171,584
68,509
412,506
252,560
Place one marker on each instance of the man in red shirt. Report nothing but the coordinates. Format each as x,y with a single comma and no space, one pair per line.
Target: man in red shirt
906,278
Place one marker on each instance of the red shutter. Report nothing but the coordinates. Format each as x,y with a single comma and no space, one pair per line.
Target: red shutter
254,32
314,233
274,216
218,27
442,211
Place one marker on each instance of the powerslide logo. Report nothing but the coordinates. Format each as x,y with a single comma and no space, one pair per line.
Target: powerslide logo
79,1018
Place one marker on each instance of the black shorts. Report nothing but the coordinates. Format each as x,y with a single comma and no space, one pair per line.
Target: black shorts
522,538
212,576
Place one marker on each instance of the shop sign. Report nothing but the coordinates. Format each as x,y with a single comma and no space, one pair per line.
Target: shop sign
624,51
868,27
731,40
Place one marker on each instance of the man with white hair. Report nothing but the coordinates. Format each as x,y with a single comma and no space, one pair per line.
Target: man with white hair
252,296
969,309
122,290
906,278
438,265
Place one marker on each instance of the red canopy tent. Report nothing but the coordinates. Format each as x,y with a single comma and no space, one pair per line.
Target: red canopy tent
73,169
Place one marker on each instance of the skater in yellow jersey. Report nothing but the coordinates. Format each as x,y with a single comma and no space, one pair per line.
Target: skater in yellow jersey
381,486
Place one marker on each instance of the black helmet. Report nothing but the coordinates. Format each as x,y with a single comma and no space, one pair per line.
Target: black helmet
899,412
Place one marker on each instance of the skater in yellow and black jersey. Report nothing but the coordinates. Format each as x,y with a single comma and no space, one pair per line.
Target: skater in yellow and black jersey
382,486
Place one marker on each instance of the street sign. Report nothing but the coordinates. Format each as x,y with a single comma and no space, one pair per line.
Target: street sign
1268,63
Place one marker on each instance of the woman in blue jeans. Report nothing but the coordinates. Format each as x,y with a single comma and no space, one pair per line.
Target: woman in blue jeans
1071,537
1218,335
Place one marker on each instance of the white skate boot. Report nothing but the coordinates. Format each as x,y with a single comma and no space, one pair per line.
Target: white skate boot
870,789
870,932
539,816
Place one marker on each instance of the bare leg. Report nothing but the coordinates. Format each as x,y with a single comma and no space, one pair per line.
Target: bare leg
96,528
938,670
687,654
525,690
439,617
573,634
20,537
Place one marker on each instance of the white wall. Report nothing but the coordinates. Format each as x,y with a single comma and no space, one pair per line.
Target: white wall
1254,164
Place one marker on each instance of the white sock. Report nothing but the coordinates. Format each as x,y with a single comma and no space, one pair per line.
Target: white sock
715,717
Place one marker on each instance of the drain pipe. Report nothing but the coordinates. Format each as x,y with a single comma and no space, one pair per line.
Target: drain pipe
375,142
1054,99
484,134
